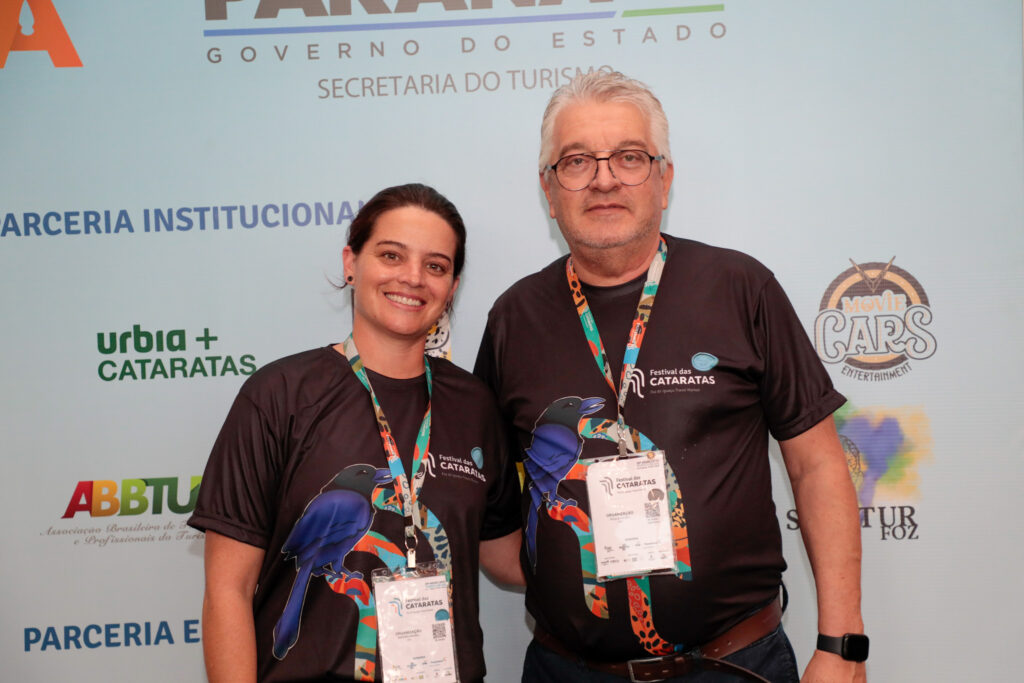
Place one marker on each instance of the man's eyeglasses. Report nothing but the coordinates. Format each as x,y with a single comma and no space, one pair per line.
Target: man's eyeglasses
575,172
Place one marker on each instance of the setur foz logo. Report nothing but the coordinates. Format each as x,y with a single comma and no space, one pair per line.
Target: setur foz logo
138,353
885,450
874,319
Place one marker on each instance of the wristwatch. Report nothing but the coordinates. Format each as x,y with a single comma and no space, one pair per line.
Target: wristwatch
853,647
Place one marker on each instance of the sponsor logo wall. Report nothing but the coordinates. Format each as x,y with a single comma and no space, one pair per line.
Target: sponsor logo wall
874,318
179,178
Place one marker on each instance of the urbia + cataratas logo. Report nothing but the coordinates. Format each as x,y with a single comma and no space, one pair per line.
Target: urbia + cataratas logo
874,319
140,353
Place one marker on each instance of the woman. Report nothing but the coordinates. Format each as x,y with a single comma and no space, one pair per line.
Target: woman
303,497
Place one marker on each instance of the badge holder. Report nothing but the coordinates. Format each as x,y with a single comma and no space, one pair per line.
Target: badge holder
414,624
630,515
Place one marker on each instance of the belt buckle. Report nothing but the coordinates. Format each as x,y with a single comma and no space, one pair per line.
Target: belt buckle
649,660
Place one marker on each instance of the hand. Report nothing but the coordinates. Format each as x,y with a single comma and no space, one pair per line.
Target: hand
826,667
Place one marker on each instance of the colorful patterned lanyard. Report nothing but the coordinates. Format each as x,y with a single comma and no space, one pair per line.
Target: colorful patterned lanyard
636,330
408,496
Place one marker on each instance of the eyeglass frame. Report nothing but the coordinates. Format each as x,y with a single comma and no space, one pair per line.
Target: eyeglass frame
597,164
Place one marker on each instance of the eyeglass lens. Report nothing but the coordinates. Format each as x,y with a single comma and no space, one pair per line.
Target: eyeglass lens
629,166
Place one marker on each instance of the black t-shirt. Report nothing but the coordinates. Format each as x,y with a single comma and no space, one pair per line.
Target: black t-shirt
292,432
614,309
724,361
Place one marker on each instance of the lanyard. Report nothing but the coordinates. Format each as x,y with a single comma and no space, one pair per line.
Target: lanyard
636,330
408,496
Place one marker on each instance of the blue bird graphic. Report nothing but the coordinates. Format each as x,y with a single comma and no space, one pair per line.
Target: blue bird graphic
555,448
330,526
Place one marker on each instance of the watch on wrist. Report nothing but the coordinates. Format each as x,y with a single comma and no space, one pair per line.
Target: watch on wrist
853,647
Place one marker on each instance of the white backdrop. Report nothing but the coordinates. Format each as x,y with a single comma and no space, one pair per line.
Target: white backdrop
817,136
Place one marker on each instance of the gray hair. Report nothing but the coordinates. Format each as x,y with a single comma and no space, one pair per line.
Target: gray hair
605,86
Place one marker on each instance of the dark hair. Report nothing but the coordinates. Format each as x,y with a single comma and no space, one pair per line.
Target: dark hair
399,196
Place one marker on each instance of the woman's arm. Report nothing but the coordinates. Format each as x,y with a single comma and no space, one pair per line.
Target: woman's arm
229,635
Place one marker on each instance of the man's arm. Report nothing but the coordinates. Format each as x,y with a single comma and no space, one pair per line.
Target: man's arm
229,634
500,558
826,504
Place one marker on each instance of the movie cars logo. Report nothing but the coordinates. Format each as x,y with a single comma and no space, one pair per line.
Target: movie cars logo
874,318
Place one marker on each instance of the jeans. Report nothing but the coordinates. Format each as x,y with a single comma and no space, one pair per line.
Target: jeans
771,657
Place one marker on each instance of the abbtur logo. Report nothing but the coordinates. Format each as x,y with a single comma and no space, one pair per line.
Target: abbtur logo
103,498
874,319
34,25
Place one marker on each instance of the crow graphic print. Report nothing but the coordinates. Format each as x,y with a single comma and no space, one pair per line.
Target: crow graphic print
299,471
553,452
332,524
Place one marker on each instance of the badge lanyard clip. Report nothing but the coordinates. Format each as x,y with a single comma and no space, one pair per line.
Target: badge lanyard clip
410,546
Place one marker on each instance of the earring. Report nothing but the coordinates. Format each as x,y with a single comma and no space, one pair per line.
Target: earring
439,338
349,279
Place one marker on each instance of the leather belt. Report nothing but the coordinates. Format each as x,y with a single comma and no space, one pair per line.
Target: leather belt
706,657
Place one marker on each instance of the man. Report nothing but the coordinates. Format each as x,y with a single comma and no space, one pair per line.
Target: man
709,362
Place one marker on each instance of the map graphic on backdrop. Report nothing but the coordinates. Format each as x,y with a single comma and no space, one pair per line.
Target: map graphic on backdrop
885,451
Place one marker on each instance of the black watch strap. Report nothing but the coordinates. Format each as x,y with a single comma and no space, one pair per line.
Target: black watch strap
852,647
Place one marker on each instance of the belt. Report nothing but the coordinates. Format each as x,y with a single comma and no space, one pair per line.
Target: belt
705,657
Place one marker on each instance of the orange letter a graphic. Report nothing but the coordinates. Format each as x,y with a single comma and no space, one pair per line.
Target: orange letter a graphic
48,32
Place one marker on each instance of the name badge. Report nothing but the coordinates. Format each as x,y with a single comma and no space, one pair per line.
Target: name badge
629,515
414,626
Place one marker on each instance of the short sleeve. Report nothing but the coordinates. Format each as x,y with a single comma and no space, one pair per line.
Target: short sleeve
486,366
502,516
796,391
238,490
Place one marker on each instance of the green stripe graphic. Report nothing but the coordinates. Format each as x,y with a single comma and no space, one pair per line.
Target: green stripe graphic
694,9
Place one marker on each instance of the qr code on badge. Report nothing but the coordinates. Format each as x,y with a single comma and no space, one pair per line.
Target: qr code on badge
652,510
440,630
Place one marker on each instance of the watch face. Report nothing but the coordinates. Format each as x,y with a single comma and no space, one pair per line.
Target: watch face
855,647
